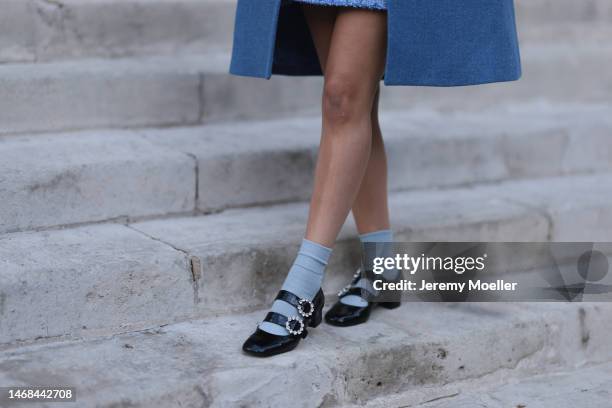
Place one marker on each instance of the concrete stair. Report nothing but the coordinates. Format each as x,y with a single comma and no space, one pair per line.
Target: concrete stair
150,205
584,386
80,177
50,30
190,90
420,349
41,30
95,69
116,278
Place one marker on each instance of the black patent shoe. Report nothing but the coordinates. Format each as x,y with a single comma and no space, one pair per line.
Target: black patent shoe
310,314
344,315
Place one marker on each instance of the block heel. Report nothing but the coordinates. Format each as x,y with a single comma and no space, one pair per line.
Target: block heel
317,318
390,305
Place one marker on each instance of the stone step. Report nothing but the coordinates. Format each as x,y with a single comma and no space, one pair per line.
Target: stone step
59,179
570,33
91,176
421,349
104,279
563,11
190,90
584,386
39,30
103,93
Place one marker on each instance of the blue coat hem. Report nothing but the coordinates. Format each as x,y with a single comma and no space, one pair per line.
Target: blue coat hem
441,43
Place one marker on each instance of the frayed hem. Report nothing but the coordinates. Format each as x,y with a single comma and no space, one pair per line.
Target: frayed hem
347,3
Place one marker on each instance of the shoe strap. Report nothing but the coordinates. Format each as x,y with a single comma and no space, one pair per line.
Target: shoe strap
306,308
351,289
355,292
294,300
281,320
276,318
288,297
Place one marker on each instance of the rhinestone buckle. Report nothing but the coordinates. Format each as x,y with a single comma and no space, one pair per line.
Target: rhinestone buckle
290,325
305,307
345,289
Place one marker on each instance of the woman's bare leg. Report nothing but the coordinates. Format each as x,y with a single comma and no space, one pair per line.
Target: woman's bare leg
370,208
353,67
321,22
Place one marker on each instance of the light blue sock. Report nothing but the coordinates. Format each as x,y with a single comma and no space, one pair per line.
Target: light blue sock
304,280
384,248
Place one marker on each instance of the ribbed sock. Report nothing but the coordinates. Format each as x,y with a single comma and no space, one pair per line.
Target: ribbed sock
383,247
304,280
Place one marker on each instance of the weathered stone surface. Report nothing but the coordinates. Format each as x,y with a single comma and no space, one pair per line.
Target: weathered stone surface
589,221
273,161
570,33
245,253
40,30
179,90
90,176
98,175
98,93
239,98
584,387
116,28
239,257
418,348
242,164
542,11
89,280
17,31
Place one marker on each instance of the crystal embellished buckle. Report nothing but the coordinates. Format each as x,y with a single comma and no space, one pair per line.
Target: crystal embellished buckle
305,307
345,289
292,327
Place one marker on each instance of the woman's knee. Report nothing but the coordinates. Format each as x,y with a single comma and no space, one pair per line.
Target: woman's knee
343,100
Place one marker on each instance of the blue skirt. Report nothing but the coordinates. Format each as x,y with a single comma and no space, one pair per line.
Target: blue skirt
369,4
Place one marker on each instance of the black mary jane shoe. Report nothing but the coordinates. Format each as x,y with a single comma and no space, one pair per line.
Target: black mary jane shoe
310,313
344,315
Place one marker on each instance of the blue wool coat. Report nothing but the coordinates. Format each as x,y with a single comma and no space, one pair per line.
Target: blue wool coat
430,42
